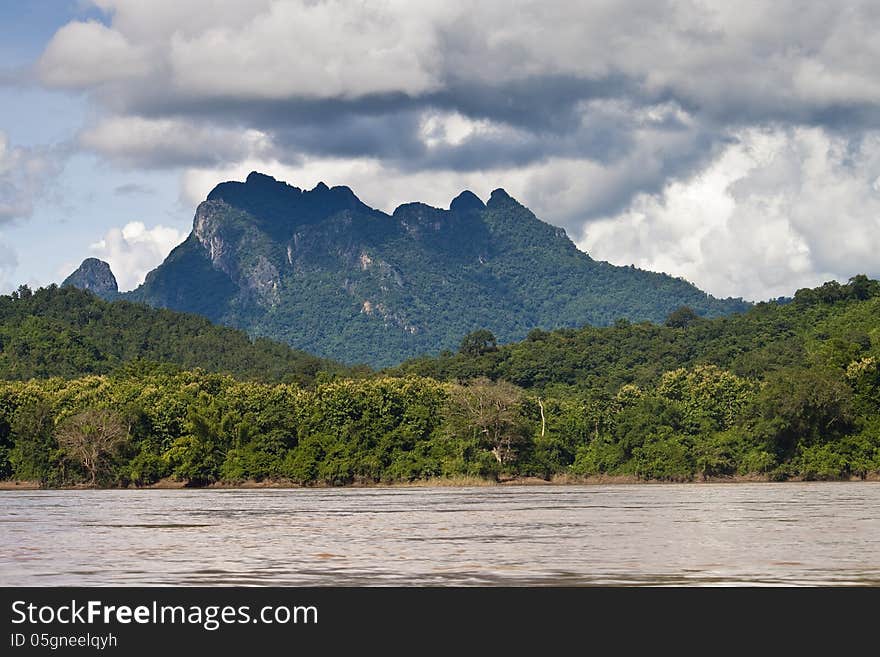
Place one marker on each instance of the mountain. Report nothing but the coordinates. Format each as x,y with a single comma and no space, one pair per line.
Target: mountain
323,272
68,332
826,328
95,276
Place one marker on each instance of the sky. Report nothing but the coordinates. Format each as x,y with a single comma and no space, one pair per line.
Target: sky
736,145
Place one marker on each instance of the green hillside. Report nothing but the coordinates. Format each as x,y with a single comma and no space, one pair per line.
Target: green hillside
322,272
827,327
785,390
68,332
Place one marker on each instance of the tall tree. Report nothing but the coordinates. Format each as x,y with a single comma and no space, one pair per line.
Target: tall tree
493,413
91,437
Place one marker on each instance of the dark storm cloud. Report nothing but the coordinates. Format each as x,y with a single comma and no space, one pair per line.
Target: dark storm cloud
541,105
537,118
546,104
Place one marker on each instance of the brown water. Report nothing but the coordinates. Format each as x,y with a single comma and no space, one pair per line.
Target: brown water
811,533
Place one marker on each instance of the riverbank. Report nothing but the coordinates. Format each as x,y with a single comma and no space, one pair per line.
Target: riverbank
440,482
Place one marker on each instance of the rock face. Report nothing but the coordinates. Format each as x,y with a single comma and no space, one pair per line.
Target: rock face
95,276
324,272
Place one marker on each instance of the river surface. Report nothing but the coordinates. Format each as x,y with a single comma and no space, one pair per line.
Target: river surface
690,534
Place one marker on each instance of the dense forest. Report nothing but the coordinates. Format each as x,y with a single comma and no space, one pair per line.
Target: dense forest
784,390
826,328
68,332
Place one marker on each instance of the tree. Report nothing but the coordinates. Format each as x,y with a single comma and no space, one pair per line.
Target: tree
861,287
478,343
493,413
23,292
194,460
681,317
91,437
803,407
31,457
709,392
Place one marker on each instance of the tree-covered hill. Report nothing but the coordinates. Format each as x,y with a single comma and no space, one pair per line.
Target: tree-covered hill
69,332
321,271
784,390
829,326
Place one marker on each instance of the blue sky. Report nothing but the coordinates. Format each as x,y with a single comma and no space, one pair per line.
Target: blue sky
80,203
28,26
738,147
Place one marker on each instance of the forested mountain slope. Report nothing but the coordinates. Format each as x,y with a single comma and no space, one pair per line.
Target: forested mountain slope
323,272
69,332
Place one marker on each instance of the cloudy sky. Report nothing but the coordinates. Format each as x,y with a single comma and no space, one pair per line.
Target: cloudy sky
734,144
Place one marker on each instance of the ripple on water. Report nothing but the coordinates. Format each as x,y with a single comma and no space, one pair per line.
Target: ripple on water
671,535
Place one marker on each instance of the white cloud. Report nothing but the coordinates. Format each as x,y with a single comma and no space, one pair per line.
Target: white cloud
134,250
453,128
24,174
135,141
313,49
776,211
86,54
713,52
251,49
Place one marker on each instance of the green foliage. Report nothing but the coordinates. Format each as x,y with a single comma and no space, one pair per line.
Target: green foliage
147,468
681,318
708,394
35,452
786,390
664,456
194,460
803,407
67,332
599,457
478,343
823,461
766,338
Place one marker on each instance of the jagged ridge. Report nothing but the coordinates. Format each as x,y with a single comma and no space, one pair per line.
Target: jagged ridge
324,272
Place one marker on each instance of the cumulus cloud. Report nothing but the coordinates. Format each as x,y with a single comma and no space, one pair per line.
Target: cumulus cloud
679,135
24,174
84,54
783,56
778,210
313,49
138,142
341,77
134,250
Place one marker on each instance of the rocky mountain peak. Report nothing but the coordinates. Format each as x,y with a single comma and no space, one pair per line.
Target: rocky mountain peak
500,199
95,276
467,201
279,208
322,271
257,178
